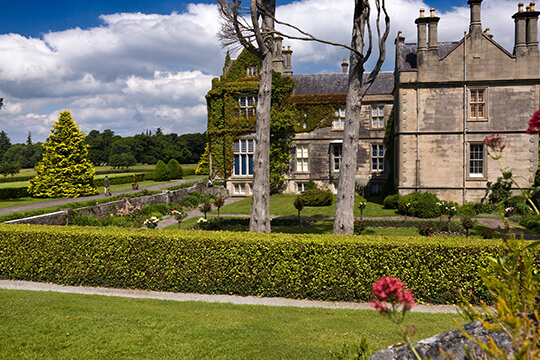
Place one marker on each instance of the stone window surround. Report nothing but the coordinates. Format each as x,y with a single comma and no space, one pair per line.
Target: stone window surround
302,158
339,119
485,93
476,176
378,117
377,165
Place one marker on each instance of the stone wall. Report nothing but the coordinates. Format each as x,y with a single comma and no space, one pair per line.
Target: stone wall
101,210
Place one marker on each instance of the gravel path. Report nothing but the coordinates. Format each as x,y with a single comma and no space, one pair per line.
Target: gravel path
231,299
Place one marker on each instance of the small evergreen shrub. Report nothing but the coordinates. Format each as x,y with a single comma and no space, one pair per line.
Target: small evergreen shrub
391,201
317,197
310,185
422,205
161,172
79,219
153,209
175,170
467,210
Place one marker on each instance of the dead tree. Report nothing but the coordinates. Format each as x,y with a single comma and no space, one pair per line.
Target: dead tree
262,31
236,29
344,216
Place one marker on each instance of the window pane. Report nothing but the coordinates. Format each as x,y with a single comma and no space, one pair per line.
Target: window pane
480,96
250,146
242,146
480,110
473,96
237,146
237,165
250,101
250,164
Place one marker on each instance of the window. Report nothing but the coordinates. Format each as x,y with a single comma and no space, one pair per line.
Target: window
336,157
301,187
375,188
377,158
339,118
246,106
476,160
251,71
243,157
239,189
477,104
377,116
302,158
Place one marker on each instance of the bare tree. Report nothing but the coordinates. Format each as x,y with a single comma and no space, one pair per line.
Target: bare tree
262,30
344,216
236,29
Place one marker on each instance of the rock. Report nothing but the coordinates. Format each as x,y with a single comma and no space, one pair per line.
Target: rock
451,341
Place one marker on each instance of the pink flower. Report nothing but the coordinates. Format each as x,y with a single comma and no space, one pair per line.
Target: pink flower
391,290
534,123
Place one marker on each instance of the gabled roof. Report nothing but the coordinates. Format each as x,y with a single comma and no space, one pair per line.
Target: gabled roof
409,53
337,83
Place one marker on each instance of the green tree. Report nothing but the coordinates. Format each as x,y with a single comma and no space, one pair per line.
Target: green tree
7,168
281,131
161,172
65,170
5,144
175,170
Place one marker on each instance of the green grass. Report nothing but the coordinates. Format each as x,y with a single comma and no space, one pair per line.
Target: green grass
283,205
46,325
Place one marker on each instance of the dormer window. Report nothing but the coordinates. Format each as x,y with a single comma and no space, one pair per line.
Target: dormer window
251,71
339,119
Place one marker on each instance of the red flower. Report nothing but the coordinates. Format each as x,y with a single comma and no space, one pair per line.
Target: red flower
389,289
534,123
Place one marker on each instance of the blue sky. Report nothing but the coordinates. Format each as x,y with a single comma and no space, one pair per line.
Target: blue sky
135,65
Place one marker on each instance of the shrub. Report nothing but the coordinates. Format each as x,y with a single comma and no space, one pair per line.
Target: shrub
487,233
310,185
152,210
359,226
84,220
175,170
317,197
499,191
426,229
531,222
161,172
14,193
391,201
467,210
422,205
332,268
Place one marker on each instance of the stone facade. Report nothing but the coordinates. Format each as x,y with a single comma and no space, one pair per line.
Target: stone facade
446,97
450,96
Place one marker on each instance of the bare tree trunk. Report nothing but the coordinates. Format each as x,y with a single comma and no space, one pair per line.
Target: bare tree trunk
260,208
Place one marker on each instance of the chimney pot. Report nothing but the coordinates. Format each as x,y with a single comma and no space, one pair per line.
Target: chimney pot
422,13
528,8
432,12
344,66
520,7
531,6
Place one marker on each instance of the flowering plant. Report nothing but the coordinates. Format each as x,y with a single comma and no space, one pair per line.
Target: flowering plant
151,223
299,204
359,226
219,202
202,220
179,214
393,300
206,207
362,205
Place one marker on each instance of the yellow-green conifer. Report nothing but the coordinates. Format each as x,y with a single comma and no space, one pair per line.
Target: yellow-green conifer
65,170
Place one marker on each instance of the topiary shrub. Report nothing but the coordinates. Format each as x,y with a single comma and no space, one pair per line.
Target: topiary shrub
161,172
317,197
175,170
391,201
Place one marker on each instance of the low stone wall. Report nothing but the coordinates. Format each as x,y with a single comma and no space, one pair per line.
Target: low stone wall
101,210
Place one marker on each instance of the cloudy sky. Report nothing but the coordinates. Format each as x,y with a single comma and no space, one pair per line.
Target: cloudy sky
136,65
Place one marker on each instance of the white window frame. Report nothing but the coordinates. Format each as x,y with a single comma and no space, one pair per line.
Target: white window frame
301,187
246,106
339,119
337,155
240,189
244,150
377,117
477,161
251,71
377,158
302,158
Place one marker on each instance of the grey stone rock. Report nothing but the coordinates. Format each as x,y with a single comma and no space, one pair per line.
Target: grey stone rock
451,342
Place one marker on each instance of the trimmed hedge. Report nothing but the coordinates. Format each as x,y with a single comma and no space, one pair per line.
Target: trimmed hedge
123,179
319,267
14,193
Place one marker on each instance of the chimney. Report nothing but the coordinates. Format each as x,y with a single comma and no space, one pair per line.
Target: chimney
287,63
345,66
421,26
432,29
476,21
520,19
532,26
277,56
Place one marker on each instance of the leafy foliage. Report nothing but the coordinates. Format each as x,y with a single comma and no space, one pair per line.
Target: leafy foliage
498,192
317,197
175,170
322,267
422,205
65,170
281,130
161,172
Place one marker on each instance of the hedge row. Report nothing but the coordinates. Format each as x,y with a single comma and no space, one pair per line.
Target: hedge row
14,193
319,267
123,179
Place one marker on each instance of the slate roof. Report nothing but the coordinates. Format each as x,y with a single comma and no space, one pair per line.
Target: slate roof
408,53
337,83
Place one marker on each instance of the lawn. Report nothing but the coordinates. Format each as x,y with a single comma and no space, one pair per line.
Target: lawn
47,325
283,205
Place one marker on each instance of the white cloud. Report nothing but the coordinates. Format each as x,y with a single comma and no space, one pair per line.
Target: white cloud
142,71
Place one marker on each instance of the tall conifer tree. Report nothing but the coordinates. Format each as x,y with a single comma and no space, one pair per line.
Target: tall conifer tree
65,170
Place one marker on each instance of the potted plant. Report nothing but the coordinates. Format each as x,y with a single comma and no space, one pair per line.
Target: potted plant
134,184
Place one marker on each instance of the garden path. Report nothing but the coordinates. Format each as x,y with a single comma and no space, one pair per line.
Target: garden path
232,299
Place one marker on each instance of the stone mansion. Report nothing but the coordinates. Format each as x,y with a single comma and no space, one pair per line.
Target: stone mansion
442,100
